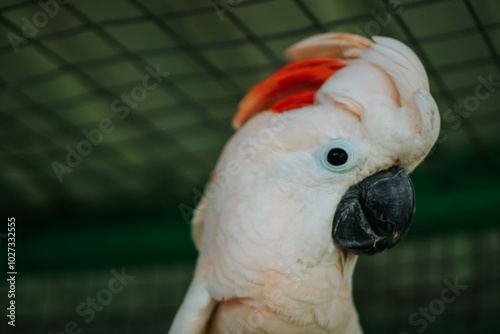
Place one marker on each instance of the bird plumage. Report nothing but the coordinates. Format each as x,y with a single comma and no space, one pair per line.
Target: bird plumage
267,262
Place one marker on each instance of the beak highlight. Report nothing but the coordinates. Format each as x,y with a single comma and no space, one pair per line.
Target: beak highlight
383,201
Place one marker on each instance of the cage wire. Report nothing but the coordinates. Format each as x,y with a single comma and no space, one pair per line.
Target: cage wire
389,290
62,73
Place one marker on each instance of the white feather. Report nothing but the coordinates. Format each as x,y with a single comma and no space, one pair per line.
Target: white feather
264,234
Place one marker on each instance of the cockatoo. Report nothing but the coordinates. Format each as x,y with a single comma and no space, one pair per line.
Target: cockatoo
316,171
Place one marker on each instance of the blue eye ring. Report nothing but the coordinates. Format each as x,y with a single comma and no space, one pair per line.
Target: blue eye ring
338,155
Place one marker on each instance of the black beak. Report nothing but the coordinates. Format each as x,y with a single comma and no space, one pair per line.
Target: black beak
385,200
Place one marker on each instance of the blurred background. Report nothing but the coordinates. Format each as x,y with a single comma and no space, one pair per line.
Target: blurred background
102,169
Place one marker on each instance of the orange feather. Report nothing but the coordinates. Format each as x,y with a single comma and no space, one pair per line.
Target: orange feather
292,86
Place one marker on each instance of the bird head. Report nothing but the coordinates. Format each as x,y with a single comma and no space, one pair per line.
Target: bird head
335,134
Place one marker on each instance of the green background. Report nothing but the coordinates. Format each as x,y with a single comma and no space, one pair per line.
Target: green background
120,206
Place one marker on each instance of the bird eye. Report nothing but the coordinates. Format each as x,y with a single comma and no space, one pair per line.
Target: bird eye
338,155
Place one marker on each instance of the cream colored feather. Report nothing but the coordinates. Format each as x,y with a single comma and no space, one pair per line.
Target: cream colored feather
267,263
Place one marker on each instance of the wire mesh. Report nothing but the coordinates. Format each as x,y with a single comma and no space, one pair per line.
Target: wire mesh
63,76
390,291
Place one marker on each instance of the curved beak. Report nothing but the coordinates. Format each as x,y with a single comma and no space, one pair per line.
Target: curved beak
384,200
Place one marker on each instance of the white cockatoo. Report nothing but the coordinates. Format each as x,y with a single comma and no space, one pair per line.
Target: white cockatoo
316,171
